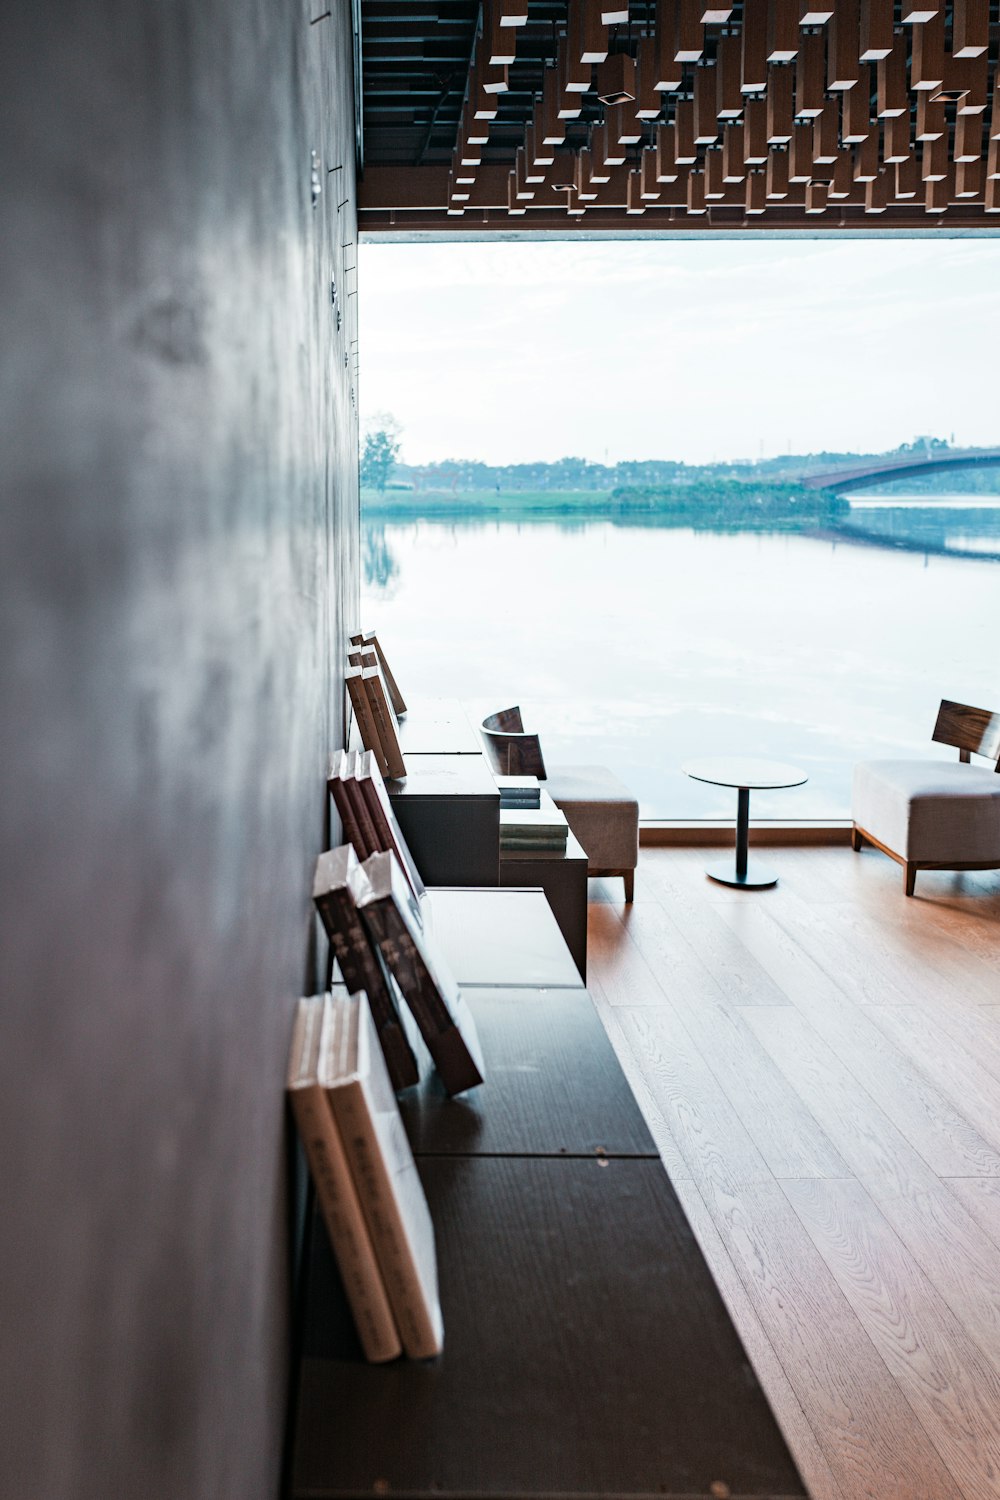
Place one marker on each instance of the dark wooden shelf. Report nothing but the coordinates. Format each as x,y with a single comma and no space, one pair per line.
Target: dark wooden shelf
554,1085
587,1353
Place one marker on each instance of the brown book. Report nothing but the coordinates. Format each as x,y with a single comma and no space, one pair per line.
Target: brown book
393,917
353,1076
370,843
388,833
336,1195
341,766
364,716
385,722
360,962
368,637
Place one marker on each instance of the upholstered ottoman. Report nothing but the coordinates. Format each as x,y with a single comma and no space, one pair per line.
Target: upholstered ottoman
928,815
604,816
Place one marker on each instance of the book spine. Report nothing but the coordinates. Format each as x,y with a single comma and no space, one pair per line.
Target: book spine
419,1328
359,964
388,830
362,817
385,724
352,832
350,1240
456,1063
363,714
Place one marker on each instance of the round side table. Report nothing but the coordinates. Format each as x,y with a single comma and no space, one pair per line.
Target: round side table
746,775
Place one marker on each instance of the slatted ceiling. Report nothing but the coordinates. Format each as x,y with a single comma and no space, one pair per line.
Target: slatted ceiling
423,135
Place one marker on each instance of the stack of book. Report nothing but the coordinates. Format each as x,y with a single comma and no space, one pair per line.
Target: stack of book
366,1180
375,924
518,791
377,703
369,823
530,833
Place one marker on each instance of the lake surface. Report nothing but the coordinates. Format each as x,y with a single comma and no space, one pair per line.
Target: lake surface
641,646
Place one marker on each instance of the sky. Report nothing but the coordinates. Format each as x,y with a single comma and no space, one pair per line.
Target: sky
697,350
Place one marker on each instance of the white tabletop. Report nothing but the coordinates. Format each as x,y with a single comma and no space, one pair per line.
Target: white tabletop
744,772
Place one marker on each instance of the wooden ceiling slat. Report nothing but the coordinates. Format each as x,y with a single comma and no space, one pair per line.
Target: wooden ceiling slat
876,36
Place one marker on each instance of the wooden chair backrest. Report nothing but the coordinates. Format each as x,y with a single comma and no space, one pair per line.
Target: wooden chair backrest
510,750
968,729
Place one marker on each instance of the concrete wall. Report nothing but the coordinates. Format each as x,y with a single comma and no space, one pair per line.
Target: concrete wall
178,468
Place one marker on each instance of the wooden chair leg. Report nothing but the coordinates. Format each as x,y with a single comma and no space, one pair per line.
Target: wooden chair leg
856,839
629,880
909,876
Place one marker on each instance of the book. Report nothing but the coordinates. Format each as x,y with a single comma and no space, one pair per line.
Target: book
518,791
394,919
364,716
359,807
388,834
385,722
353,1076
336,1194
341,801
368,637
528,822
360,962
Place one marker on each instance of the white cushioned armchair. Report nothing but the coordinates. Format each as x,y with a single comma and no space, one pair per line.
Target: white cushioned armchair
929,815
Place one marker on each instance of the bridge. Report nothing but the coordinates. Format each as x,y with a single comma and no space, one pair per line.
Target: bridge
893,466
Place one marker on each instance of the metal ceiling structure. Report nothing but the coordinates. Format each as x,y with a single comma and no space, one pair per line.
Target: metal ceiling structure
680,115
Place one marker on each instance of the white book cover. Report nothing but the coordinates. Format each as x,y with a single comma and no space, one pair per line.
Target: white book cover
353,1074
336,1195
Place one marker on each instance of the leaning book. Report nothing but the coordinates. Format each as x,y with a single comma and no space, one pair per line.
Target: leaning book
353,1076
393,916
359,960
336,1194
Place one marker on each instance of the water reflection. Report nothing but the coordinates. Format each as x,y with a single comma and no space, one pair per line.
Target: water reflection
641,646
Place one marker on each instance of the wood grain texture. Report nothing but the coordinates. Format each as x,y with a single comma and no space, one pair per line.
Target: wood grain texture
882,1017
554,1086
921,1111
951,1388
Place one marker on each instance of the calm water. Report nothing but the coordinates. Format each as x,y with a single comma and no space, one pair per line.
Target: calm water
639,647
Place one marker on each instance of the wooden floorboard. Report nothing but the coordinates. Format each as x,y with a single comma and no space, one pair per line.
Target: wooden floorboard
820,1067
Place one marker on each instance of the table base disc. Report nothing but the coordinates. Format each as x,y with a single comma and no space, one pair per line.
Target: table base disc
755,879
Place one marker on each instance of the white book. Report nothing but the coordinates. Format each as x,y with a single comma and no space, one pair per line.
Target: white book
335,1191
353,1074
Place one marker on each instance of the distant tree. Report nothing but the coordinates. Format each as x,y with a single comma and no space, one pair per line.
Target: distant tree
380,451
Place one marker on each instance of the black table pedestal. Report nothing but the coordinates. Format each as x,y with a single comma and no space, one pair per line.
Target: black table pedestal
749,877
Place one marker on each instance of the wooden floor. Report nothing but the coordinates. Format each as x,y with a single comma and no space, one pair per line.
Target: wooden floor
820,1066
